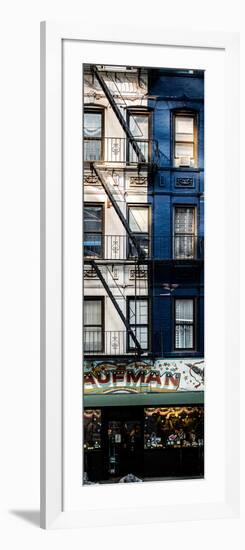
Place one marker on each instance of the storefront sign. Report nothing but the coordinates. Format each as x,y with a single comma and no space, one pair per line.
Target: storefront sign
144,377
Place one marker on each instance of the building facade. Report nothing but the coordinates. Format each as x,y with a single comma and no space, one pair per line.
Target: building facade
143,333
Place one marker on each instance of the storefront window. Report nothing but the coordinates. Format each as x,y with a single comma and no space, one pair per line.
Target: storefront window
176,427
92,429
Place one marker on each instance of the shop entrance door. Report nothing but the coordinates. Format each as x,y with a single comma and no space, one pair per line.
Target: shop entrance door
124,442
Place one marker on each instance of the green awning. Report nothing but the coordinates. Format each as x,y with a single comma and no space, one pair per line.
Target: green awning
145,400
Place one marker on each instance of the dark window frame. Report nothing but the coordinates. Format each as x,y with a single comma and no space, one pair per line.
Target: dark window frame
102,232
135,325
100,299
194,235
134,111
98,110
139,233
185,113
193,323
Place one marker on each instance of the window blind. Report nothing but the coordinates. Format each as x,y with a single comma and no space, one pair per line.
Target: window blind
92,312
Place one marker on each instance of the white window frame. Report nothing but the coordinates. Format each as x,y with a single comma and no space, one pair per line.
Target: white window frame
193,161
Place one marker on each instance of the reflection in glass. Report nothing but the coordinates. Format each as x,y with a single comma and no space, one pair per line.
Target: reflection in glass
176,427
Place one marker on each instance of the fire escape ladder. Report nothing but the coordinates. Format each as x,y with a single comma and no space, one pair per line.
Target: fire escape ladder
122,218
119,115
119,311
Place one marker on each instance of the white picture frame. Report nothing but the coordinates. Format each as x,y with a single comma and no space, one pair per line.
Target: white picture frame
55,512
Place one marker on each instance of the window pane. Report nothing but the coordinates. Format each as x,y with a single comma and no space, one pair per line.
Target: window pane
92,340
139,125
184,247
92,245
138,219
184,150
92,312
183,311
92,125
92,149
184,137
141,334
184,220
184,125
184,336
144,148
143,242
92,218
141,312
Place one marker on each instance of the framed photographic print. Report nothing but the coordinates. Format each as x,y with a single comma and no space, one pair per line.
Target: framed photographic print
139,240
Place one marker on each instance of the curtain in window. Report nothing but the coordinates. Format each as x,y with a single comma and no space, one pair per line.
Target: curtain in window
92,312
184,311
184,324
93,133
92,325
184,219
184,337
184,136
92,125
184,232
184,127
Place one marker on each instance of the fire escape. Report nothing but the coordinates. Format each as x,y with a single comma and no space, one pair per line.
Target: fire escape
104,175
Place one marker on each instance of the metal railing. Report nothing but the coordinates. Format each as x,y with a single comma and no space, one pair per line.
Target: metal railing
119,247
112,342
119,150
119,342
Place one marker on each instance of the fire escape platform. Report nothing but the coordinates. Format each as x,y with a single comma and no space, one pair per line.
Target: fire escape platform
120,166
145,261
88,261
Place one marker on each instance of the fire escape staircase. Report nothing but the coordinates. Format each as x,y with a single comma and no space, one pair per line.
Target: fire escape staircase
109,192
115,303
119,115
98,170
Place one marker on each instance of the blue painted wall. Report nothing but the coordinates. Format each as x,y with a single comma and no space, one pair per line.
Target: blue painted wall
171,90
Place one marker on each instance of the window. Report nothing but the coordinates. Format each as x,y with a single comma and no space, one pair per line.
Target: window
184,323
138,320
174,427
93,321
138,218
184,232
185,140
93,230
139,127
92,429
93,135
